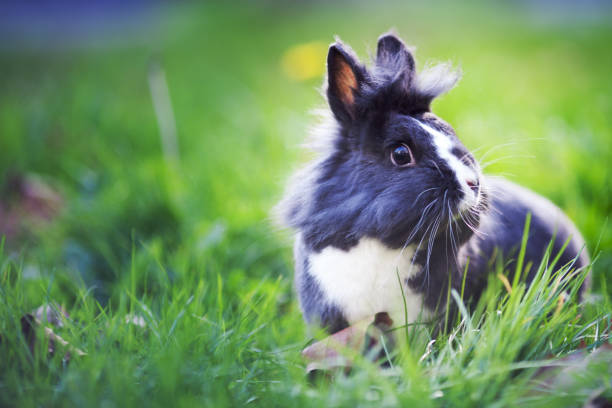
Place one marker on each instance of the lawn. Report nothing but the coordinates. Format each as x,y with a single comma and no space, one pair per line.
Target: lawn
177,284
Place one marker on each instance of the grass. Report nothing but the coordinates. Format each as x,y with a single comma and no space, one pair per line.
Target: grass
185,243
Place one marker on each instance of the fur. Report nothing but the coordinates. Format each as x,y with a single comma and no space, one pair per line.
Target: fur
360,219
364,272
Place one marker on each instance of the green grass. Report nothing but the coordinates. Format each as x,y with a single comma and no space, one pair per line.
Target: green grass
187,245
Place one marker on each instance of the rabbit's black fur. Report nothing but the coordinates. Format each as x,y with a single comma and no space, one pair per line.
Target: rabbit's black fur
362,221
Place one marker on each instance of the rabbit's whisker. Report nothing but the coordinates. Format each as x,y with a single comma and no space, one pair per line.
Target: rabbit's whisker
414,232
475,230
511,143
437,167
452,234
416,252
420,194
432,235
510,156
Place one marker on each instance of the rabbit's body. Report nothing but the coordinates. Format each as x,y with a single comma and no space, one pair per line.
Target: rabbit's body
396,199
338,287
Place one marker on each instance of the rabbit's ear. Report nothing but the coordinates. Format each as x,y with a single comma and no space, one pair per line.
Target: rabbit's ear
345,76
393,56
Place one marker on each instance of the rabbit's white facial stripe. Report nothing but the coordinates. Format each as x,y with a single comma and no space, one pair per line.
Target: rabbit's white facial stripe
444,147
363,281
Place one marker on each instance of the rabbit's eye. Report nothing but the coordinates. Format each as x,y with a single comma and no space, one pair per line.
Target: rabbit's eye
401,156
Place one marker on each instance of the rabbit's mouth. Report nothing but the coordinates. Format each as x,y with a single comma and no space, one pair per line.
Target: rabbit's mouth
462,206
468,210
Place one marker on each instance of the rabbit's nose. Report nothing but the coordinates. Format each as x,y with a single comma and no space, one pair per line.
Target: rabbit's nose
473,185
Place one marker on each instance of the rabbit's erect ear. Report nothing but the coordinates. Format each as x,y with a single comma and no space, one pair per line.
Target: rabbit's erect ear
345,75
393,57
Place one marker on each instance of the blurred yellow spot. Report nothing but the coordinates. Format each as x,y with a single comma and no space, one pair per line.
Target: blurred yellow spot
304,61
505,282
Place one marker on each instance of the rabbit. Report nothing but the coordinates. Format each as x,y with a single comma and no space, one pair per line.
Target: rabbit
394,202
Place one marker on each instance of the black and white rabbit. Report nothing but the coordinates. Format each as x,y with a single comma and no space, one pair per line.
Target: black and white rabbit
394,191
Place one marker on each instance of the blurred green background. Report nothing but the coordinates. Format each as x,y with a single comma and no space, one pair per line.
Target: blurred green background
86,184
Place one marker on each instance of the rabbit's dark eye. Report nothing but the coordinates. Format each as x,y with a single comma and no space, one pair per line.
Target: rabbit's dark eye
401,156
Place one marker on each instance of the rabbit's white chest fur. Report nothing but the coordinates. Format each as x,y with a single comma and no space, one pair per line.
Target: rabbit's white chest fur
364,281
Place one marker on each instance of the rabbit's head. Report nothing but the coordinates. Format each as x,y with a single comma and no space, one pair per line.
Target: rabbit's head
392,170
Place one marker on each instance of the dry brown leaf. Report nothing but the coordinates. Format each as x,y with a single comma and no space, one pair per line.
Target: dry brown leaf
30,323
363,337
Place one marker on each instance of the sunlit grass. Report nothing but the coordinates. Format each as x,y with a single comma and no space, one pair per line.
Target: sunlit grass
232,339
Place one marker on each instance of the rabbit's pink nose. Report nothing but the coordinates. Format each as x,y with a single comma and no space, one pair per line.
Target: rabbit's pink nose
473,185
